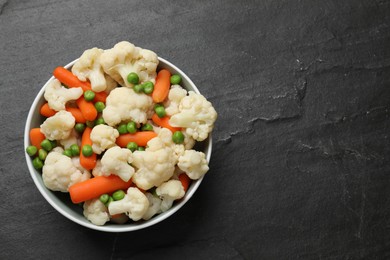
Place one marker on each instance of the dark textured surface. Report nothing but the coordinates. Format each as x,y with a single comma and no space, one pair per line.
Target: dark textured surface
300,166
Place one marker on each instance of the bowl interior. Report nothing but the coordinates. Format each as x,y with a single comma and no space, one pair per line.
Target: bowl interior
61,201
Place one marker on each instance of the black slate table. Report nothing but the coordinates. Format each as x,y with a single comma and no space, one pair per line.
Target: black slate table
300,166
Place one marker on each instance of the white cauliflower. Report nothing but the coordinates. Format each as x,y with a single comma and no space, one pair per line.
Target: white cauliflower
193,163
196,114
157,163
124,58
76,163
169,192
116,161
154,206
59,172
134,204
176,94
88,67
73,138
123,104
59,126
98,171
103,137
111,84
57,95
96,212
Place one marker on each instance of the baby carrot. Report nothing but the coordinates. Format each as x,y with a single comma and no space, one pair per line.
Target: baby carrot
161,88
164,122
141,138
47,111
36,137
87,162
95,187
87,109
76,114
185,181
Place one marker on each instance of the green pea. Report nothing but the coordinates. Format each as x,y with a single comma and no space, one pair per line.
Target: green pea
122,129
147,127
104,198
53,143
148,87
108,201
138,88
100,106
132,146
118,195
90,124
46,144
37,163
141,148
178,137
133,78
42,154
160,111
87,150
67,152
79,127
175,79
89,95
131,127
100,121
75,150
157,105
31,150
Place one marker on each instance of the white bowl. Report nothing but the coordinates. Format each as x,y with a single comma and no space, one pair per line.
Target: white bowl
61,201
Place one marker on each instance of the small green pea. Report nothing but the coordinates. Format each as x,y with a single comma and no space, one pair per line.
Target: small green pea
122,129
160,111
42,154
89,95
131,127
141,148
100,106
31,150
133,78
178,137
148,87
67,152
104,198
158,105
132,146
75,150
138,88
37,163
53,143
87,150
90,124
100,121
79,127
147,127
46,144
118,195
110,199
175,79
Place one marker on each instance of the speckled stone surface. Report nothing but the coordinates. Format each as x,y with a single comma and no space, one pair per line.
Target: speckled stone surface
300,166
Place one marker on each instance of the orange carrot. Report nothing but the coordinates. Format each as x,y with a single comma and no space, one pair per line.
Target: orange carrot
185,181
100,96
36,137
87,109
95,187
76,114
47,111
87,162
141,138
161,88
164,122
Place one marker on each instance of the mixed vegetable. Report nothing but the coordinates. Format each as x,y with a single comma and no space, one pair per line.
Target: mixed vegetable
118,135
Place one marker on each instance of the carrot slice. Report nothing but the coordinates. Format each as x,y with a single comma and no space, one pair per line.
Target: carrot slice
76,114
141,138
164,122
185,181
161,88
87,162
36,137
46,111
87,109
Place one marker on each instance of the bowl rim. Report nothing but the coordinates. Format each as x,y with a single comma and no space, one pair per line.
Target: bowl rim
47,194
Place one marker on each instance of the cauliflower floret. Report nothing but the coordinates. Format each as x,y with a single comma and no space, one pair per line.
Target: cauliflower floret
193,163
88,67
76,163
116,161
157,163
57,95
59,173
176,94
169,192
196,114
59,126
73,138
111,84
123,104
124,58
98,171
134,204
96,212
103,137
154,206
